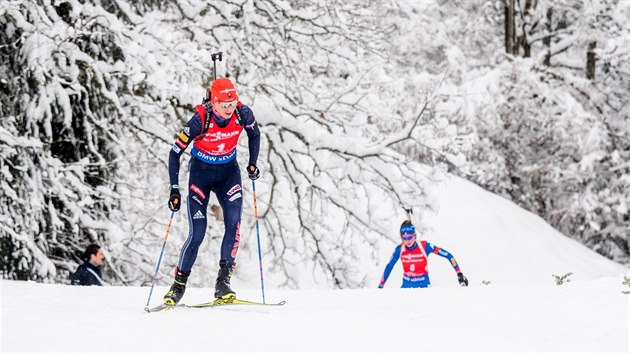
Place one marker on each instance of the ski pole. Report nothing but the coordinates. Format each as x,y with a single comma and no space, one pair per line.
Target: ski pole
262,283
157,268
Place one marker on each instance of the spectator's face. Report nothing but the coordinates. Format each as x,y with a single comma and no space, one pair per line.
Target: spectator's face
97,258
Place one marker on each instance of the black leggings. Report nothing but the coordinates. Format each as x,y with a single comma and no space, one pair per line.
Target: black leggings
225,181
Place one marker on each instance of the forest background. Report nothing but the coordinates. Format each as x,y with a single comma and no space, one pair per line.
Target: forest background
362,105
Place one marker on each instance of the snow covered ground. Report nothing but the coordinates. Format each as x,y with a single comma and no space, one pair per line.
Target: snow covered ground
582,316
521,310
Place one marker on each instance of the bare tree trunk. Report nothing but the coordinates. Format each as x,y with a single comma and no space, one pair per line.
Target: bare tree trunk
527,49
547,39
591,58
522,39
510,30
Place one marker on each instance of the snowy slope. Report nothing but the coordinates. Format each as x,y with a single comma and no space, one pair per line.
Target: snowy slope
495,240
513,242
522,310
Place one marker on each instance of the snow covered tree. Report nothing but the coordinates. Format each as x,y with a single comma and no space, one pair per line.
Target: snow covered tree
544,125
555,142
60,136
314,76
100,89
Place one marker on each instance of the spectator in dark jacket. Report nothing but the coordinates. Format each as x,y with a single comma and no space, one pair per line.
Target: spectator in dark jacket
89,273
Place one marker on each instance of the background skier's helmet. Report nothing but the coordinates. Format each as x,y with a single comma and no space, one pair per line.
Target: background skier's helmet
222,90
407,230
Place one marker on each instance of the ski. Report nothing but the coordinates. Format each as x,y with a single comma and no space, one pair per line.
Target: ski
233,301
213,303
158,308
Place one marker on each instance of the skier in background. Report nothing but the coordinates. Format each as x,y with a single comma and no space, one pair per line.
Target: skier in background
214,130
89,273
414,258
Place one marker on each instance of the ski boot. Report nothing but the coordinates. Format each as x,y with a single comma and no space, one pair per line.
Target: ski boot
222,287
178,288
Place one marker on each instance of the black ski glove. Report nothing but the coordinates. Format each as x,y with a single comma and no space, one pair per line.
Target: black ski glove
175,200
253,172
462,279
